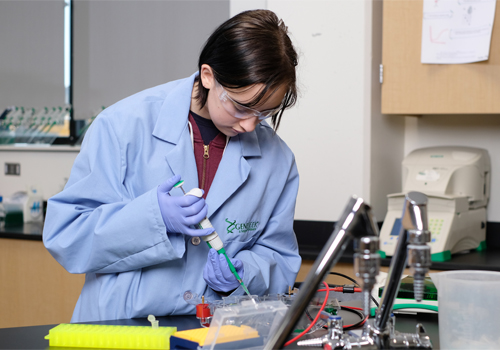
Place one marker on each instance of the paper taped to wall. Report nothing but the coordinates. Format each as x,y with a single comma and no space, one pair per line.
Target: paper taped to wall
457,31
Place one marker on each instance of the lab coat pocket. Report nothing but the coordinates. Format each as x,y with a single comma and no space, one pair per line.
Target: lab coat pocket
234,245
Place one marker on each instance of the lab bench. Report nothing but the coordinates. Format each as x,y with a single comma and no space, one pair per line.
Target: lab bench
33,337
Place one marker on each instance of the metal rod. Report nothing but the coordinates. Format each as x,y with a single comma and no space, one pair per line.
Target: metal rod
397,266
414,214
328,257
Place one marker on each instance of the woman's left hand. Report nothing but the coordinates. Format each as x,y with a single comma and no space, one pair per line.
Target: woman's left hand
217,273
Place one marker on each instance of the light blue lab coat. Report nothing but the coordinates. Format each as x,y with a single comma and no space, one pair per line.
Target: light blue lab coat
107,223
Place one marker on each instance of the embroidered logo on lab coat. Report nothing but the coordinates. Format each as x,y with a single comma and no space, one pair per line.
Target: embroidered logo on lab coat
241,227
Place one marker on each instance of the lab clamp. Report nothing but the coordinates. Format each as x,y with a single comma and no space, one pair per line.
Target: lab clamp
357,222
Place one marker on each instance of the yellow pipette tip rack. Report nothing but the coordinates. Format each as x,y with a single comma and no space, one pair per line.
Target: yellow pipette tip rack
110,337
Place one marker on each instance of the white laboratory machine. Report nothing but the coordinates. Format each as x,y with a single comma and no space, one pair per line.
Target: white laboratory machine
456,180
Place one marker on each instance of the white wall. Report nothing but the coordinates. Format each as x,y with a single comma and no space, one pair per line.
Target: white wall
387,131
326,130
481,131
47,169
343,145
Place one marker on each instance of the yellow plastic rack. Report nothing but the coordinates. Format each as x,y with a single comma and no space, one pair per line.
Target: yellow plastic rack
110,337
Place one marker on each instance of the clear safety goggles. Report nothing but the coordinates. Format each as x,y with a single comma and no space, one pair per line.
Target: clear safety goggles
238,110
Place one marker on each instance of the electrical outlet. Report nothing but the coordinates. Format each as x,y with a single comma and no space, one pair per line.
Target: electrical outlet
12,169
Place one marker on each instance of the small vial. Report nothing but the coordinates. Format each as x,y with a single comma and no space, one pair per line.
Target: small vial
203,313
154,322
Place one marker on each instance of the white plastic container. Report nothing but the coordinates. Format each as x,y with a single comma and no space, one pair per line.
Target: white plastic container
33,207
469,309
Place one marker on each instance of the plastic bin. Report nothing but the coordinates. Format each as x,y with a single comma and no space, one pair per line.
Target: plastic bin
469,309
263,317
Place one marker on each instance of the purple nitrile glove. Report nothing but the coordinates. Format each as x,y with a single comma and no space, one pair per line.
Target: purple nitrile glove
217,273
181,212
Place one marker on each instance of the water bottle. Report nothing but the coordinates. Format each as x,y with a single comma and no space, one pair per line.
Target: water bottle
2,214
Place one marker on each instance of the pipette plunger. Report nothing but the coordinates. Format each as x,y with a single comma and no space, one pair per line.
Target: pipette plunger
179,185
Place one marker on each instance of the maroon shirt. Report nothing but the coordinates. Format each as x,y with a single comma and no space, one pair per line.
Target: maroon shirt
207,157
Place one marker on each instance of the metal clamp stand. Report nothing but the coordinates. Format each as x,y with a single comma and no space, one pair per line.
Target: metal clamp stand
357,222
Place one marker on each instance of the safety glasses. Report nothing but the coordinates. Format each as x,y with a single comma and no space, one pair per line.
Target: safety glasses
238,110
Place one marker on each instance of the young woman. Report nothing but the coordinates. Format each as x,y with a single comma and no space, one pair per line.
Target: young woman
120,221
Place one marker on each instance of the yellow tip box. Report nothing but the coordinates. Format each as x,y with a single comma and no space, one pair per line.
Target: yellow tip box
110,337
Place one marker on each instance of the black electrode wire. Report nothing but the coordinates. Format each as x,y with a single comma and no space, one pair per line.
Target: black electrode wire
357,312
354,281
355,325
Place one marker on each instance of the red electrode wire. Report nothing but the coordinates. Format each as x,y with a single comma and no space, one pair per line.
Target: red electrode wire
340,289
315,319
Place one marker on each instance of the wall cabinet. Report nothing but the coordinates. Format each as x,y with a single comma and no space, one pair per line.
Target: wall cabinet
412,88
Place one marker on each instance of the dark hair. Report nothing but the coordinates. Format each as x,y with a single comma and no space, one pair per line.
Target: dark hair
252,47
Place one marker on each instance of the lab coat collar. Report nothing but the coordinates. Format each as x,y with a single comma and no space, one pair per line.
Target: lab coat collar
249,142
173,117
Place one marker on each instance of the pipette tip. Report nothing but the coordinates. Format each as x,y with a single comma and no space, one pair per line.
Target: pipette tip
246,291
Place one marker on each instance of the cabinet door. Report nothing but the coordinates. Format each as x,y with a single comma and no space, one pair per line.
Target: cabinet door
34,288
412,88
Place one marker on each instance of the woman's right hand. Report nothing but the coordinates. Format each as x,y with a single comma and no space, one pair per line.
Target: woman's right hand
181,212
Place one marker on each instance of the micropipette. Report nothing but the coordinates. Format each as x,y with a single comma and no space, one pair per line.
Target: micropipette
213,240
